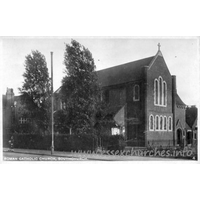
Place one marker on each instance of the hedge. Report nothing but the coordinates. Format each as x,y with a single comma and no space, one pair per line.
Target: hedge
65,142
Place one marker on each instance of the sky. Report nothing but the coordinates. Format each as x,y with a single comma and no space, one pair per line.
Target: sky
181,56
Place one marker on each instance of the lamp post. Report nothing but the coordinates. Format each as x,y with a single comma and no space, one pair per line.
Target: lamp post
52,121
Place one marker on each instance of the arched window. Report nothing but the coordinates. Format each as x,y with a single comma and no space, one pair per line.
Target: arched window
160,90
157,122
161,122
165,123
164,93
170,123
156,92
136,93
151,123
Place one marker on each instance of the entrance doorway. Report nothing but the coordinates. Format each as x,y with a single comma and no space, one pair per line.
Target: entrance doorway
179,137
189,137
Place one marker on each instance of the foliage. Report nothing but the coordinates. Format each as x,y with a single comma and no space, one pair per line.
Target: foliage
36,89
191,115
29,141
113,142
65,142
61,125
79,88
103,118
75,142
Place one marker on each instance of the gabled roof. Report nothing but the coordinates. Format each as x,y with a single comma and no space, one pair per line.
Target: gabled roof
122,73
159,53
194,124
179,102
187,127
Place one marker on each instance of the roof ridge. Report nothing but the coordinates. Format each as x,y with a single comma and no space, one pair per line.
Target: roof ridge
159,53
126,63
123,73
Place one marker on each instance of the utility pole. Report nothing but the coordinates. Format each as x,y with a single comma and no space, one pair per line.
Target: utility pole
52,105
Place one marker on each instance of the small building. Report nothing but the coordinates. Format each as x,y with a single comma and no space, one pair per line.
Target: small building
191,126
14,113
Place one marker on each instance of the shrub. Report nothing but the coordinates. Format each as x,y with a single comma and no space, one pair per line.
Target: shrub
65,142
113,142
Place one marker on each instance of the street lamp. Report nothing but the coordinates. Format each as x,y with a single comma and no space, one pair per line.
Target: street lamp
52,121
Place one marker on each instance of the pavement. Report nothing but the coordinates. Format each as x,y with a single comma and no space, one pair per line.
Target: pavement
45,155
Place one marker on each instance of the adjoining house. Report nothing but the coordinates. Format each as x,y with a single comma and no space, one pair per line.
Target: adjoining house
14,113
191,126
143,97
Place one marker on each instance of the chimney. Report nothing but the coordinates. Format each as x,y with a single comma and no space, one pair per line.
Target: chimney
10,96
174,89
174,92
9,91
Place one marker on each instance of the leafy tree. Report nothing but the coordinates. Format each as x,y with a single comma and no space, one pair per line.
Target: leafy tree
36,89
191,115
103,118
61,125
79,88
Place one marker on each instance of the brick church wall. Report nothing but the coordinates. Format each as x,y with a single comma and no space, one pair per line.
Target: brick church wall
158,69
135,115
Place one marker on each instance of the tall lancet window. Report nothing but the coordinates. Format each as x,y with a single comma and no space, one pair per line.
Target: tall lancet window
164,93
156,92
157,122
151,123
161,90
170,123
161,122
165,123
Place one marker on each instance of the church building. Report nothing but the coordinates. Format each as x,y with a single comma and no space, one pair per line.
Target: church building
143,95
